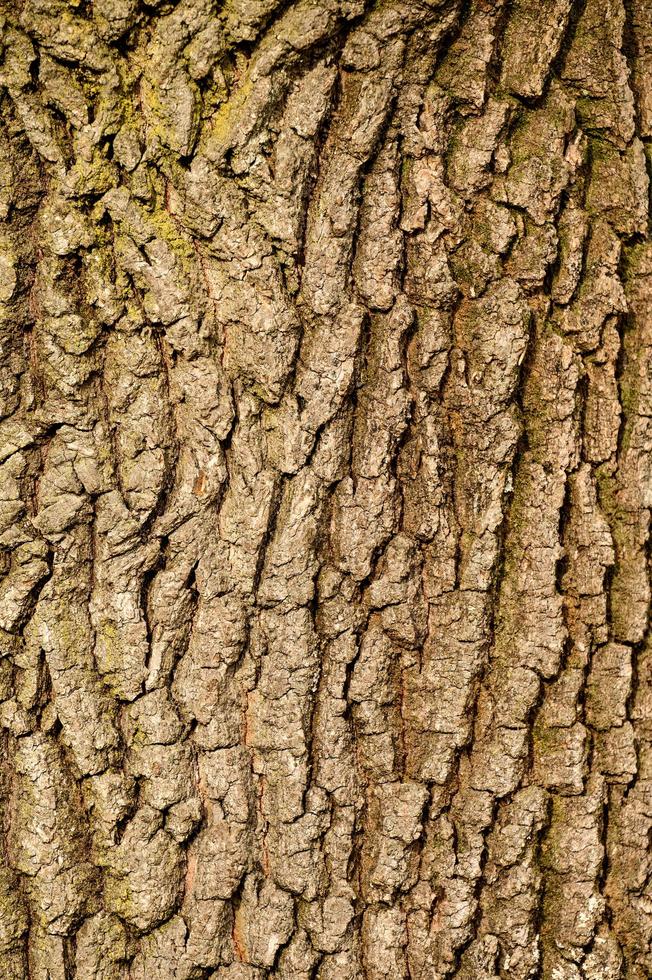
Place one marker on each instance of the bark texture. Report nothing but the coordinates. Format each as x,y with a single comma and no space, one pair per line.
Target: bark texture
326,449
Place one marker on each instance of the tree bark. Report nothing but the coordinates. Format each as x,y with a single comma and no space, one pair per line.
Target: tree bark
326,447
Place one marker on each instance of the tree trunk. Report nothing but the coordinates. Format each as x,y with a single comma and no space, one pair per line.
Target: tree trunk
326,483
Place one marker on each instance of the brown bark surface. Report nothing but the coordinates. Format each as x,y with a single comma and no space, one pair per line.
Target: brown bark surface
326,475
